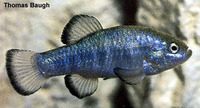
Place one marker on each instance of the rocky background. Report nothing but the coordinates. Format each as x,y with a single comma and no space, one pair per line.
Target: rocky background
40,30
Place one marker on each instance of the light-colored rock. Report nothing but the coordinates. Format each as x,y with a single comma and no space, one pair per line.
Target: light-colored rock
40,30
190,26
166,89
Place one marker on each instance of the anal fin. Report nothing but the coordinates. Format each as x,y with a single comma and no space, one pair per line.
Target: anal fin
81,86
130,76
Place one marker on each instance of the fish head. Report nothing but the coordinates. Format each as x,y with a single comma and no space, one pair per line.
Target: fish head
167,52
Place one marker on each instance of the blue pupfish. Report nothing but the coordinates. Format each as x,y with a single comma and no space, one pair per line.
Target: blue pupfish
90,52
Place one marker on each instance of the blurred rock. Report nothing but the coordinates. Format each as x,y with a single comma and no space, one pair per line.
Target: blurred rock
162,15
40,30
179,87
190,26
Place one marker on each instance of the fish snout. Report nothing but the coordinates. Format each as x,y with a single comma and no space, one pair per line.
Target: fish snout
188,53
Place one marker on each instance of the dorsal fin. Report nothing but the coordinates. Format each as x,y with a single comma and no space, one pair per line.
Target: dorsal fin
78,27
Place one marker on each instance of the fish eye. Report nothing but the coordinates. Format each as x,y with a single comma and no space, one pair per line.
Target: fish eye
173,48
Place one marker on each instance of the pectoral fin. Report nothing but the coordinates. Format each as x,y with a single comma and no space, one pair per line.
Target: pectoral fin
80,86
130,76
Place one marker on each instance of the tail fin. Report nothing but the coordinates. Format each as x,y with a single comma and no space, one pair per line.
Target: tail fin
21,69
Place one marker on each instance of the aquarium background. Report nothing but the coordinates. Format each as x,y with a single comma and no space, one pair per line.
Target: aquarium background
40,30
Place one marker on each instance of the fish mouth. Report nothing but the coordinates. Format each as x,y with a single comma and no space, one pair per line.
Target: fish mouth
188,53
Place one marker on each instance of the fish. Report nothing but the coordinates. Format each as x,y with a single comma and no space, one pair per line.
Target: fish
90,52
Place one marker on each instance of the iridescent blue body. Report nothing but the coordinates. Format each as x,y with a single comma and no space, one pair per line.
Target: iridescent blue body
127,52
99,53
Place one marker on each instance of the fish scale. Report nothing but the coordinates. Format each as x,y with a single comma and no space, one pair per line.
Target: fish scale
126,52
85,60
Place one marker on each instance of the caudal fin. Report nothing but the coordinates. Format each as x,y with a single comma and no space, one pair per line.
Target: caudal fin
22,72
